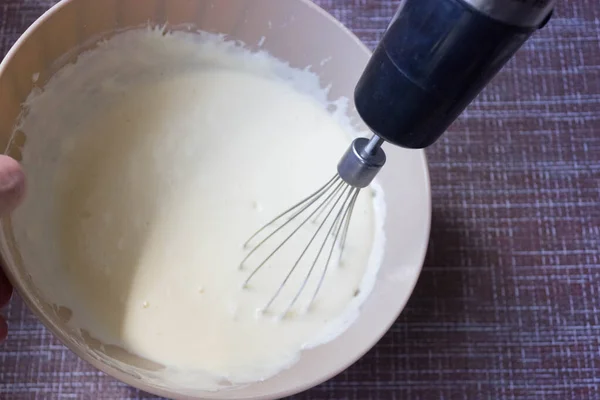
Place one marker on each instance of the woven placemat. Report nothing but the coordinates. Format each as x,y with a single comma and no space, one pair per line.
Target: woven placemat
508,305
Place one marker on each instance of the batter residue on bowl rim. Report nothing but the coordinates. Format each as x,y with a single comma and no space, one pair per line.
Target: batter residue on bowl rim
150,161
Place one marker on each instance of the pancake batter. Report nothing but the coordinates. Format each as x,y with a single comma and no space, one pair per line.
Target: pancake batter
151,160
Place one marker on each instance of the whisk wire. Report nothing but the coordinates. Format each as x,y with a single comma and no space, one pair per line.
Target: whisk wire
314,197
333,193
291,271
347,223
322,210
347,216
335,226
310,200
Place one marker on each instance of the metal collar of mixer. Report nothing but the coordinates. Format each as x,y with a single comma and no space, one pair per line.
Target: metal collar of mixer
362,162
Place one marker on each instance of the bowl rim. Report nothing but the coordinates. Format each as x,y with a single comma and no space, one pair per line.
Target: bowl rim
127,379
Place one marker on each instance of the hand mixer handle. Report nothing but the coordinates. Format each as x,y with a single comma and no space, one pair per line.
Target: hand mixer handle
435,57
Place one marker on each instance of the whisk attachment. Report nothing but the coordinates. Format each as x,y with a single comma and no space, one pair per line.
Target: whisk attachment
329,209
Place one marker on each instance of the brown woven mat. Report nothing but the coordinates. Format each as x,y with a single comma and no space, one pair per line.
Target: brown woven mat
508,305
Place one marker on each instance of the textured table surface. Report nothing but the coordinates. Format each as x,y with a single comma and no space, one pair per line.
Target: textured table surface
508,305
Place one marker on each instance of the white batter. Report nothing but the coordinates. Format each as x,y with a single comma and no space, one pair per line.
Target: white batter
150,162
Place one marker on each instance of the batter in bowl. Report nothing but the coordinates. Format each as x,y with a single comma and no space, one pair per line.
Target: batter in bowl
151,160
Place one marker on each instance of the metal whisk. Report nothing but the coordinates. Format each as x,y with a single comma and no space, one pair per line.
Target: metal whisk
335,200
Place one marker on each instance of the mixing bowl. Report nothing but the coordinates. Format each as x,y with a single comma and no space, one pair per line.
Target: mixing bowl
296,31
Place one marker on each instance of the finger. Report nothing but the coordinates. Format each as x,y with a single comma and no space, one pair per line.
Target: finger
5,290
3,329
12,184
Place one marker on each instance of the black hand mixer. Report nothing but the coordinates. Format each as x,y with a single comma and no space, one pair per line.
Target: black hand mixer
435,57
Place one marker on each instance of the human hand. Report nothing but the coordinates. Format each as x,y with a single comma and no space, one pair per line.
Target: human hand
12,190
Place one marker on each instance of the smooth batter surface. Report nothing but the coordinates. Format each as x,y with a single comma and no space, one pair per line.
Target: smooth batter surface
151,161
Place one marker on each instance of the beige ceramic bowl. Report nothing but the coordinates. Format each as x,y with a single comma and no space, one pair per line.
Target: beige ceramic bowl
296,31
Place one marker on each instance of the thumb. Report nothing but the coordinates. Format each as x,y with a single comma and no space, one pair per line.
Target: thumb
12,184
